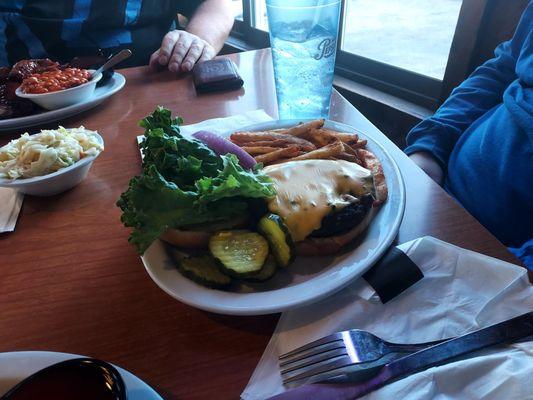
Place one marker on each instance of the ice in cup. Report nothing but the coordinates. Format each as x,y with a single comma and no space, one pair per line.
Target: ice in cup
303,38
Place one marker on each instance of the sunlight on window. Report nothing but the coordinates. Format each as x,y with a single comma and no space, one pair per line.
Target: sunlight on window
411,34
237,9
259,15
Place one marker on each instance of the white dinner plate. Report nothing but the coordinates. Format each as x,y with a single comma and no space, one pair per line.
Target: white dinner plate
18,365
113,85
307,279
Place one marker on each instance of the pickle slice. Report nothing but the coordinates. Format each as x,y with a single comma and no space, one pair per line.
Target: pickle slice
204,270
242,253
267,271
274,230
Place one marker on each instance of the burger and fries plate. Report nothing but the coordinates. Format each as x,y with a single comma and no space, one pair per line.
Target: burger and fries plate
308,279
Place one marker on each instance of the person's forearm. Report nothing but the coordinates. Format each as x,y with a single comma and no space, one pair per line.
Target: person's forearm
429,165
212,22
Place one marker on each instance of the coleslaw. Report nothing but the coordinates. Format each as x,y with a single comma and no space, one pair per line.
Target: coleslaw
47,152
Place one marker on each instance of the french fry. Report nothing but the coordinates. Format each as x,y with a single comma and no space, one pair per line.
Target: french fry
361,143
256,150
319,138
348,149
245,138
273,156
348,157
371,162
328,151
280,161
302,129
342,136
349,154
305,141
270,143
304,146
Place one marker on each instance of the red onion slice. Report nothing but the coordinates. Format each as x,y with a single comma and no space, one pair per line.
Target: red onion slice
222,146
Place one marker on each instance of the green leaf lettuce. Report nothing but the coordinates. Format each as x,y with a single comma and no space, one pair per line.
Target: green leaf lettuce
183,183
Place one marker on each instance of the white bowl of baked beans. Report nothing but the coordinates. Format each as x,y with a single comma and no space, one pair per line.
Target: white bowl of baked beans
59,88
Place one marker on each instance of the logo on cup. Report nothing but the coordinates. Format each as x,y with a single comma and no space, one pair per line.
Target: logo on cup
326,48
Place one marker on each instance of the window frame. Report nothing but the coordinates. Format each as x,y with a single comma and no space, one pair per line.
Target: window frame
244,30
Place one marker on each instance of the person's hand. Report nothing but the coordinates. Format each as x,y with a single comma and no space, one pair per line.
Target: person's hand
429,165
180,50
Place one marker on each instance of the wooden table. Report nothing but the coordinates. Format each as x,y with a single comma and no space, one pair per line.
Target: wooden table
70,282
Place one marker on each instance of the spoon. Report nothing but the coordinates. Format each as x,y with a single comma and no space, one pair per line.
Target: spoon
79,378
119,57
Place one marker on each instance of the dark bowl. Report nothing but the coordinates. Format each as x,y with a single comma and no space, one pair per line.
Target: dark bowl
79,378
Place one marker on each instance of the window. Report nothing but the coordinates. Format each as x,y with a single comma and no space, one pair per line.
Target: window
259,15
399,47
415,35
237,9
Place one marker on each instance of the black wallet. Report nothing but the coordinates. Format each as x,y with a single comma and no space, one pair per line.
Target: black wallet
216,75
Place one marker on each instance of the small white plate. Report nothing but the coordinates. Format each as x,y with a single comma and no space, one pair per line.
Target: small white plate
113,85
18,365
308,279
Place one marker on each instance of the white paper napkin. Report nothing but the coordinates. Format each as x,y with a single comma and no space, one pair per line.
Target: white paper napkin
461,291
228,123
218,125
11,202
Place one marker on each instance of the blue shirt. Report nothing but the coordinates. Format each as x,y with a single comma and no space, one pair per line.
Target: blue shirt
63,29
483,137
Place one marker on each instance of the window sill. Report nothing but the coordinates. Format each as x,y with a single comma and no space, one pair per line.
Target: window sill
371,94
234,44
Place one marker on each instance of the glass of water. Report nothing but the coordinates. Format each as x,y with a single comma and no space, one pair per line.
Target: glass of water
303,37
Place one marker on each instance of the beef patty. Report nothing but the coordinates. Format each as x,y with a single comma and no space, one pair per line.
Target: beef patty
340,222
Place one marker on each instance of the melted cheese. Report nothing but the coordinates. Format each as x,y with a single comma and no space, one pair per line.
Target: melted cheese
309,190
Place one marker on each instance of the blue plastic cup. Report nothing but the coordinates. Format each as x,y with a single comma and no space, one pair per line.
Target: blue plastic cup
303,37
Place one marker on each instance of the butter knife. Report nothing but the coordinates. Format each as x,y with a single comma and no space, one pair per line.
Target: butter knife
506,331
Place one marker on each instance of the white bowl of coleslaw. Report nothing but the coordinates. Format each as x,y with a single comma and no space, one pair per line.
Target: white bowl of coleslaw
49,162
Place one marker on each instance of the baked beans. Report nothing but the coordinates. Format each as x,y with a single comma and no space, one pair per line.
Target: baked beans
55,80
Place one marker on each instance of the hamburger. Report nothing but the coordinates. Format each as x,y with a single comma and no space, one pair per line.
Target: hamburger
324,204
188,191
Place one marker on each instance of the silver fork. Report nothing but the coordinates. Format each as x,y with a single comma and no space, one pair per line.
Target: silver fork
340,350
